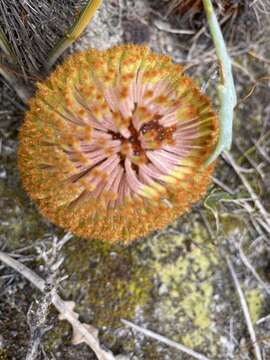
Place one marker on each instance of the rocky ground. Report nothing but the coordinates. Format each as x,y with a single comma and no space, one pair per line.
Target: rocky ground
175,282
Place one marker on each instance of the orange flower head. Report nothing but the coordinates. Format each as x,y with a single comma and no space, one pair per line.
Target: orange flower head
114,144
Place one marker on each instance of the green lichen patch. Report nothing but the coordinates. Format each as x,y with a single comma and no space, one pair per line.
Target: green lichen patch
185,265
255,301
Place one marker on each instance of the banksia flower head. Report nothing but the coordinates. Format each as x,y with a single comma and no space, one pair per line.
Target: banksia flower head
114,143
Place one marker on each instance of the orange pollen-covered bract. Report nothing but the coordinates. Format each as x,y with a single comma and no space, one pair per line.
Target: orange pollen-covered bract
114,143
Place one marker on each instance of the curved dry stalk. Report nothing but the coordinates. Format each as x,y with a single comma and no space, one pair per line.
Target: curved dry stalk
62,306
245,309
226,89
75,31
165,340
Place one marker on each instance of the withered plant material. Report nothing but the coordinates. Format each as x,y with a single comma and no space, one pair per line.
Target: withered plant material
240,20
75,31
32,28
190,8
87,334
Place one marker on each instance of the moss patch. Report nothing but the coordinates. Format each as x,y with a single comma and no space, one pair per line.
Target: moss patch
107,283
110,280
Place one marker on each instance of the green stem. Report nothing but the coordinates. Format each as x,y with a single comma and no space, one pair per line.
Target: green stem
75,31
226,89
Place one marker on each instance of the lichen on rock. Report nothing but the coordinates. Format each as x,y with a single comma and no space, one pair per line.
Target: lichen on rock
185,266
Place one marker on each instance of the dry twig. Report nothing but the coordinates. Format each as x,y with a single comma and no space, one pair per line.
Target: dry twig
163,26
265,215
245,311
247,263
165,340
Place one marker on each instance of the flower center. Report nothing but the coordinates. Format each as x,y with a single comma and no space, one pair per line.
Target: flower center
150,136
136,145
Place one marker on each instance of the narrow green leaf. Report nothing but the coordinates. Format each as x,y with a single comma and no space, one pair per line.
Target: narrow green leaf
75,31
226,88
